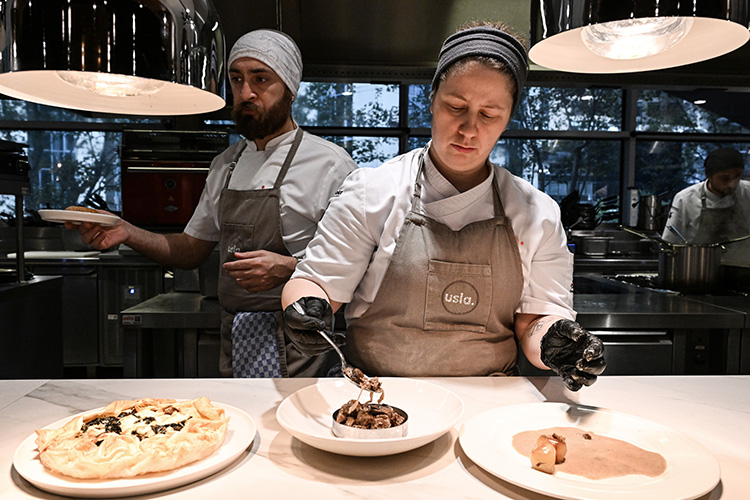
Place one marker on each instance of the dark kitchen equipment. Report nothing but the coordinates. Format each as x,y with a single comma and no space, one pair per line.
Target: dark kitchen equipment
735,278
649,210
587,214
163,173
569,211
14,179
594,246
208,275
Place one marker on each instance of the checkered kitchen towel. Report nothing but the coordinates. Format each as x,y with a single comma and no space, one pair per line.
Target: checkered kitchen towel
254,350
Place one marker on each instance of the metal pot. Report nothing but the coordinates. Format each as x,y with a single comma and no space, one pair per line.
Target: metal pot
690,267
594,245
685,267
648,212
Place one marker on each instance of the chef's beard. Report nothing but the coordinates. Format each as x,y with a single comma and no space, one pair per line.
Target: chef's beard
267,121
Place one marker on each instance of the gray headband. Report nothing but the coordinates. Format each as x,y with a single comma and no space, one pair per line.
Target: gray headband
489,42
275,49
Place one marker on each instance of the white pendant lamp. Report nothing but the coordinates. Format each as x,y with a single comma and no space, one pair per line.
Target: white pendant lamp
625,36
138,57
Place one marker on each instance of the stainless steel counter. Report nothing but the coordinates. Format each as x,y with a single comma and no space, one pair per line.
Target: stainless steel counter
186,320
709,333
611,264
649,309
648,332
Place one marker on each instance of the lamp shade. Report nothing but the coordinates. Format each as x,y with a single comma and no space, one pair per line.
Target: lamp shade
625,36
147,57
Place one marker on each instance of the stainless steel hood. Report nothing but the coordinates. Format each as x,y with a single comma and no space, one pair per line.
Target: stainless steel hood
383,40
399,40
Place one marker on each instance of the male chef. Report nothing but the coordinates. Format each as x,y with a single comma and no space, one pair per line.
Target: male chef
262,201
715,210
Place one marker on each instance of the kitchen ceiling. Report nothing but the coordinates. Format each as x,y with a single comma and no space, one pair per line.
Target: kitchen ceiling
375,40
387,40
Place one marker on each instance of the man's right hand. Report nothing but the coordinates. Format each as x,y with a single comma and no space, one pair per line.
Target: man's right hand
302,327
101,237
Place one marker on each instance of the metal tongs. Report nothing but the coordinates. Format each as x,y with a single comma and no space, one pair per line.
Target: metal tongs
354,375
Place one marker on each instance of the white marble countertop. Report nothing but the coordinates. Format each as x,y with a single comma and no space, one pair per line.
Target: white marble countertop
713,410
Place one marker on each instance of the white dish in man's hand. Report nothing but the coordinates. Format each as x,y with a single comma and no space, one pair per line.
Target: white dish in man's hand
77,217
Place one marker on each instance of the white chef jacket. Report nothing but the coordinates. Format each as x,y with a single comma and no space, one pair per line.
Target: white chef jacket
317,171
686,208
349,254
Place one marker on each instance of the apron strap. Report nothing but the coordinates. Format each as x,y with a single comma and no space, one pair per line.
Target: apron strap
284,166
289,157
234,163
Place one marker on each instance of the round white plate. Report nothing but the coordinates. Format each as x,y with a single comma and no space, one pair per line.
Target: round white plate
432,411
487,440
240,434
74,216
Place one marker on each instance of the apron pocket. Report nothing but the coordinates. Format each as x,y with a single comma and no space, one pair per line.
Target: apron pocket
459,296
234,238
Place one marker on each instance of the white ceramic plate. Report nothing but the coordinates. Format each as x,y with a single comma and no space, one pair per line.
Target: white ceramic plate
487,440
78,217
432,411
240,434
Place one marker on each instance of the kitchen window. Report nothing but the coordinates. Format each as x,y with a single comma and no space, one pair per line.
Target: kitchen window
561,139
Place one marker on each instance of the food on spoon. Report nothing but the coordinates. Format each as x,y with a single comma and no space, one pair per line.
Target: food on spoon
82,209
367,384
131,438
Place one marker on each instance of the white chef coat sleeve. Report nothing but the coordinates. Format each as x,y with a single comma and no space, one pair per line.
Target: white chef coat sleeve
339,253
547,290
547,262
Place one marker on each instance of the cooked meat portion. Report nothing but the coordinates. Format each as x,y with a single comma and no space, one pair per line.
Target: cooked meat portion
368,416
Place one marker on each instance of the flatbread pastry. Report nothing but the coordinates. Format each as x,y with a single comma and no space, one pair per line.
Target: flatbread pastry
130,438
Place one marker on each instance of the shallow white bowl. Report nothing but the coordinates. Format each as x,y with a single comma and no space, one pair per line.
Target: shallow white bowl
432,411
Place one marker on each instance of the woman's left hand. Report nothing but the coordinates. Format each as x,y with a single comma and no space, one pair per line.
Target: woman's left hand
573,353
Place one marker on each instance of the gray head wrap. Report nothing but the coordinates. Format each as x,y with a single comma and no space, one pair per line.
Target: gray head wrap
489,42
275,49
722,159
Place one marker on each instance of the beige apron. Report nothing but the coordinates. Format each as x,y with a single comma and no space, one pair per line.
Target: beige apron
251,220
716,225
447,302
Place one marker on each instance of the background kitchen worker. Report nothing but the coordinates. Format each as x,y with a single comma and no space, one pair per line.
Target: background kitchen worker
262,201
444,259
717,209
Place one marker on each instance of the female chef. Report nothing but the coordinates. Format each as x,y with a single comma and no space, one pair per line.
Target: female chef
445,260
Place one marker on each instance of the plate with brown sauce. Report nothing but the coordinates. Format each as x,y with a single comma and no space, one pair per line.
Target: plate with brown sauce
610,455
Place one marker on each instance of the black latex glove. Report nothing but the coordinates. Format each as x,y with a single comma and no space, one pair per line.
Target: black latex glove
302,329
573,353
